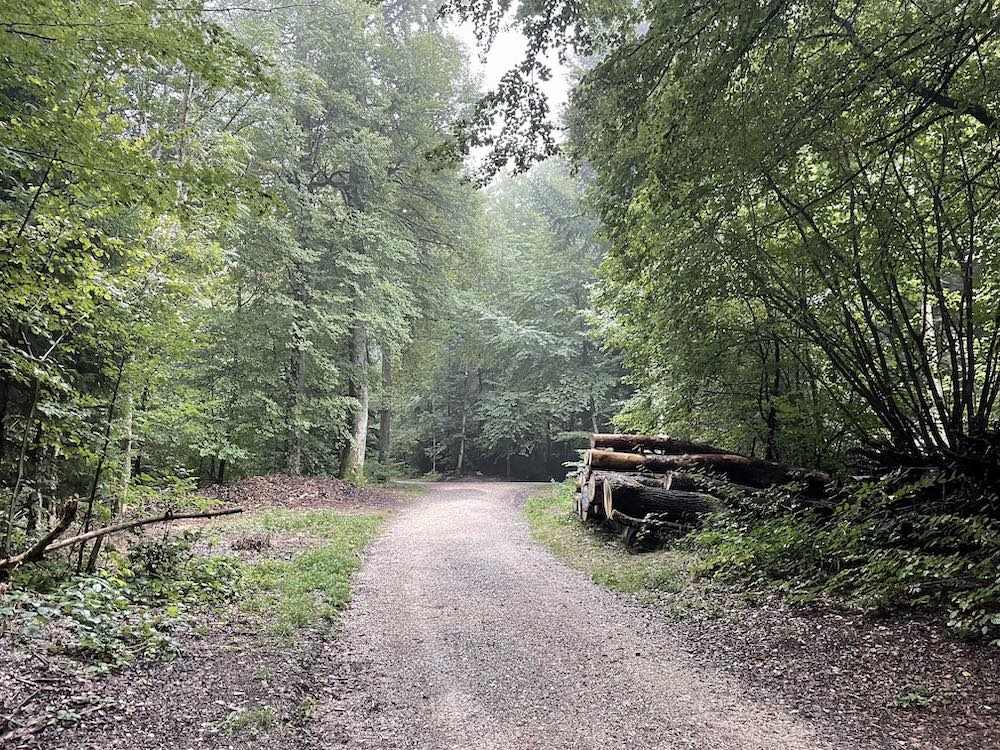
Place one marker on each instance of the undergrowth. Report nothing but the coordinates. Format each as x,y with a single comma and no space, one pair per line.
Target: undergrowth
132,607
889,544
313,586
142,599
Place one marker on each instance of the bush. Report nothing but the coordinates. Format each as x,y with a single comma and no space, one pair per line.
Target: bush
129,609
888,544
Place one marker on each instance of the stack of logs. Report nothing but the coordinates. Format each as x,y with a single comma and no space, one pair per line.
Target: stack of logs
644,483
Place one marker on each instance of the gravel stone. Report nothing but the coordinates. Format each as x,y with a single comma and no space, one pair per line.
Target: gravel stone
465,633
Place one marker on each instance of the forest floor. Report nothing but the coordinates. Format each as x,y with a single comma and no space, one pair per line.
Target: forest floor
896,681
227,675
463,632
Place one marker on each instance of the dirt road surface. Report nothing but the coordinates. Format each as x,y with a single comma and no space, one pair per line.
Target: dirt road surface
465,633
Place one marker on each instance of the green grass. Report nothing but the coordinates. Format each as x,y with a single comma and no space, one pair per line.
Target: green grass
599,553
412,487
255,720
312,587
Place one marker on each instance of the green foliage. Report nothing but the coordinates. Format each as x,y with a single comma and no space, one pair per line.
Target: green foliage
886,546
129,610
312,587
196,207
513,368
825,240
914,696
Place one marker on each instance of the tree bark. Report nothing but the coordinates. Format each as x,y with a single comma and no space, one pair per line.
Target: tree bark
739,469
385,413
20,469
296,394
461,444
48,543
126,478
98,471
352,464
660,443
4,401
593,487
636,499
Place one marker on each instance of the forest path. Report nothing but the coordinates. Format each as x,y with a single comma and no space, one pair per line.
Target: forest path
465,633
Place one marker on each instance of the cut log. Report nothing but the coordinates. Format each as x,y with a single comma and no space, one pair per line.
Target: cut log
596,486
661,443
679,481
659,522
637,500
739,469
584,510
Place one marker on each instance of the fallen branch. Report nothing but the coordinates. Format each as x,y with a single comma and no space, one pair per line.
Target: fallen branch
39,548
46,545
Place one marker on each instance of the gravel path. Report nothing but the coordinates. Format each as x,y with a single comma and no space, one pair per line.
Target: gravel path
467,634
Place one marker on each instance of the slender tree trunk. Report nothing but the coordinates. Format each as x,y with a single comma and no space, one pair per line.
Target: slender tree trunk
548,446
294,437
772,451
461,442
465,422
352,464
126,479
296,394
92,560
385,414
137,449
20,470
35,496
4,402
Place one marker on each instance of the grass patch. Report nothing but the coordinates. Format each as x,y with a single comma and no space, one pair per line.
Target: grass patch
601,554
256,720
412,487
312,587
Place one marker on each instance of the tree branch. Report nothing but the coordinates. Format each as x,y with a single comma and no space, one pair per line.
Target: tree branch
45,545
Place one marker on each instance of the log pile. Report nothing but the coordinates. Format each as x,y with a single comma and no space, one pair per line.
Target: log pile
644,485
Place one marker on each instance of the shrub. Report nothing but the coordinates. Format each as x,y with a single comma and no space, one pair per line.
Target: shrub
888,543
129,609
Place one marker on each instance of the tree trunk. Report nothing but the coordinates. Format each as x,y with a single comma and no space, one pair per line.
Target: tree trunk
35,495
466,387
9,529
294,437
126,478
137,449
658,443
461,445
102,457
593,488
296,394
352,464
636,499
385,414
4,402
739,469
